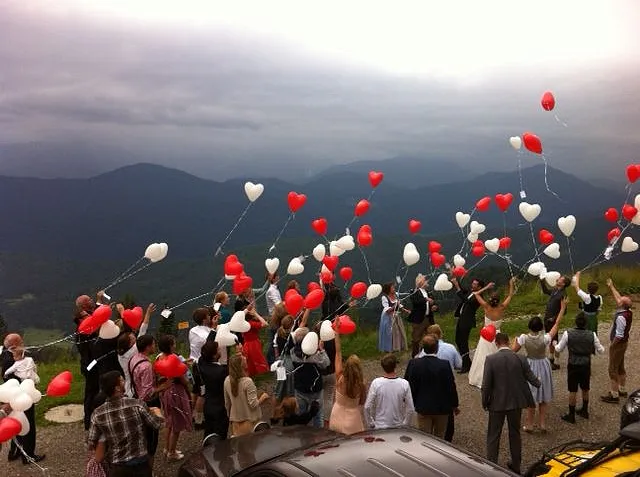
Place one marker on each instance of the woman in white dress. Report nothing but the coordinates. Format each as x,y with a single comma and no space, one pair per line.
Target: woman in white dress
493,313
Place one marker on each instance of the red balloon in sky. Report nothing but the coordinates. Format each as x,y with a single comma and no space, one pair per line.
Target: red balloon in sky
532,142
548,102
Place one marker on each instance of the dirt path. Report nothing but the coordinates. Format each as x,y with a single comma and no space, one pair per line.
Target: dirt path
64,446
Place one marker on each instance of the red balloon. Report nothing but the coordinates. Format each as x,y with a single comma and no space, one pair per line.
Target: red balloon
437,259
633,172
313,299
532,142
296,201
477,250
478,243
320,226
366,228
326,276
241,283
483,204
293,291
133,317
434,246
9,428
503,201
358,289
361,208
331,262
170,366
459,272
375,178
613,233
66,375
346,273
310,287
548,102
365,238
294,303
611,214
91,323
60,385
505,243
629,212
414,226
545,237
232,266
488,332
346,325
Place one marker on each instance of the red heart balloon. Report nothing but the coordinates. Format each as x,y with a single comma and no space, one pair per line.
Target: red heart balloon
133,317
66,375
478,243
366,228
9,428
331,262
241,283
459,272
346,325
414,226
505,243
313,299
91,323
326,276
361,208
375,178
365,238
296,201
232,266
437,259
633,172
434,246
611,214
503,201
548,102
488,333
613,233
320,226
629,212
545,237
483,204
294,303
532,142
59,385
477,250
293,291
310,287
346,273
170,366
358,289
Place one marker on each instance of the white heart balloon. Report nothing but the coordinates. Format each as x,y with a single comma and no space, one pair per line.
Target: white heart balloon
224,337
628,245
295,267
29,387
458,260
373,291
462,219
636,219
21,402
410,255
535,269
516,142
551,278
334,250
326,331
471,237
319,251
11,389
238,322
477,228
162,252
442,283
21,416
552,251
346,243
272,264
253,191
310,343
153,252
109,330
529,212
567,225
492,245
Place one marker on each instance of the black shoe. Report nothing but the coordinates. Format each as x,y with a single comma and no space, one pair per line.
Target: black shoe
623,393
512,468
555,366
34,458
570,418
610,399
463,371
583,413
13,456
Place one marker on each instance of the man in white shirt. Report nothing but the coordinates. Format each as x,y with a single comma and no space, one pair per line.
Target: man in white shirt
273,299
389,402
591,303
197,338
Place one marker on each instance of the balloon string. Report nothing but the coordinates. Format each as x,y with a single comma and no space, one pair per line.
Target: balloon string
28,458
128,270
190,300
39,347
235,226
546,180
366,263
533,241
273,247
523,194
126,277
560,121
573,271
476,264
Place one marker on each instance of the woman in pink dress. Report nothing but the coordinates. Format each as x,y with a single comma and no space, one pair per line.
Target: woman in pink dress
346,415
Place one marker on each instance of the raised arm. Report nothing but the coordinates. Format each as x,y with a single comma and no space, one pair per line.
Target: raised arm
144,326
616,295
563,308
338,358
512,291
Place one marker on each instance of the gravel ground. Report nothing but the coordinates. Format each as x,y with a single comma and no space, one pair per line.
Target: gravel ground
64,446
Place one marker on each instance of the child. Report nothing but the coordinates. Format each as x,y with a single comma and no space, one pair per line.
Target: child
287,411
23,368
282,335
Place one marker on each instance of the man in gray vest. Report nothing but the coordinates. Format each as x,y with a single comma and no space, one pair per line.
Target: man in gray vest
581,343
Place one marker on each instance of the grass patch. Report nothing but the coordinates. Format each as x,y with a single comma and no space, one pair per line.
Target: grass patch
47,371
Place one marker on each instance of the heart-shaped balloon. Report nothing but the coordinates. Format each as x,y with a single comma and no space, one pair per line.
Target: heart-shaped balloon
552,251
633,172
567,225
313,286
552,278
629,212
21,402
326,276
346,273
471,237
458,260
326,331
346,326
505,243
414,226
319,251
535,268
238,322
442,283
492,245
548,102
92,323
529,212
346,243
24,422
9,428
437,259
253,191
296,201
313,299
532,142
628,245
241,283
434,246
320,226
232,266
483,204
477,228
516,142
109,330
294,303
330,262
170,366
295,267
462,219
310,343
361,208
358,289
373,291
365,238
224,337
410,255
503,201
334,250
488,333
60,385
375,178
459,272
477,250
164,250
613,234
133,317
611,214
153,252
545,237
272,264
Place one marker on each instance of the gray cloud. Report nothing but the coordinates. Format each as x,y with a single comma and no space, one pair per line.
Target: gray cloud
220,103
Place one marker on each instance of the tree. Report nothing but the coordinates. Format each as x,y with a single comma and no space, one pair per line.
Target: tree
3,327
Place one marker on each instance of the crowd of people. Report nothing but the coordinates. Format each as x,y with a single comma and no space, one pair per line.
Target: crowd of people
127,404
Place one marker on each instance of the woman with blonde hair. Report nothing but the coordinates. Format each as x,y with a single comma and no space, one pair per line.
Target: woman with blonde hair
241,397
351,393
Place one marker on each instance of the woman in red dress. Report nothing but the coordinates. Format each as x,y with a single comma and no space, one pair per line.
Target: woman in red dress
252,347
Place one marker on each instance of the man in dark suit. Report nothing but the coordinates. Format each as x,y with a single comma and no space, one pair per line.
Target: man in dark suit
466,315
505,392
421,316
433,388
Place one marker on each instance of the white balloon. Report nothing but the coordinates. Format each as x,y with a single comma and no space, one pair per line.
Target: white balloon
319,252
477,228
295,267
326,331
636,219
529,211
109,330
410,255
492,245
567,225
238,322
462,219
629,245
272,264
253,191
334,250
552,251
9,390
310,343
224,337
516,142
153,252
551,278
21,402
163,250
346,243
472,237
535,269
442,283
458,260
373,291
29,387
20,416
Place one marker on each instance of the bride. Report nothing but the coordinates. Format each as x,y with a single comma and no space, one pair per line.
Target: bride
493,313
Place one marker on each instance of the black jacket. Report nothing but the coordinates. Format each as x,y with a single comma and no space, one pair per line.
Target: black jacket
467,308
420,307
433,386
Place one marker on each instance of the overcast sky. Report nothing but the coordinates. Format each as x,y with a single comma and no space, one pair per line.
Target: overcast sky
209,86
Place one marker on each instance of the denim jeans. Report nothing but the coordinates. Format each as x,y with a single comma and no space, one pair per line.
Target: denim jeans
304,404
